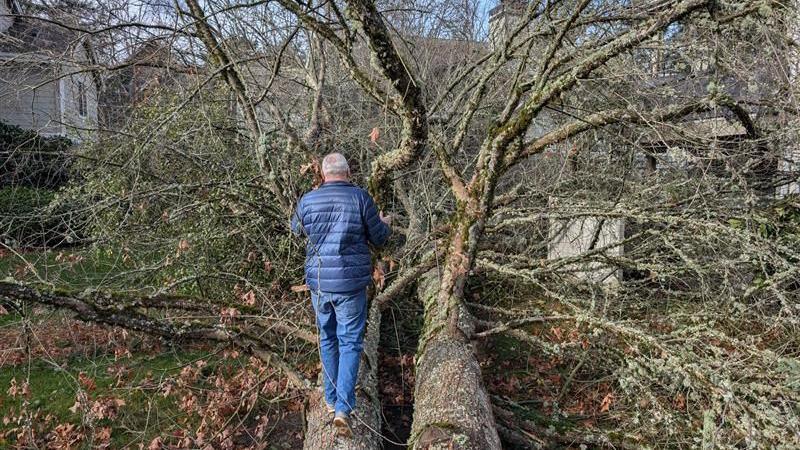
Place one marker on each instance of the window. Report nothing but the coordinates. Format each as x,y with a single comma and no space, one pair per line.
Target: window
81,99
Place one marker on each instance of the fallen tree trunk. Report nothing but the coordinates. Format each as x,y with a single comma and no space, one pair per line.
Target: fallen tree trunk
451,406
366,418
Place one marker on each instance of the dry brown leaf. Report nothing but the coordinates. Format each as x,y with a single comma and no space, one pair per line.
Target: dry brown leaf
300,288
378,276
87,382
249,298
183,247
229,312
557,332
155,444
679,402
605,405
315,169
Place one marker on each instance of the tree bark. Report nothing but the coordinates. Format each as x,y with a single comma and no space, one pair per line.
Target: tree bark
366,418
452,409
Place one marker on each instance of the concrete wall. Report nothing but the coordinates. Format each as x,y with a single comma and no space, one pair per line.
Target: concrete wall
504,19
30,97
574,237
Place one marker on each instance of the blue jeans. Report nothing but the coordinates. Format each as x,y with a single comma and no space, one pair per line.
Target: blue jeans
341,317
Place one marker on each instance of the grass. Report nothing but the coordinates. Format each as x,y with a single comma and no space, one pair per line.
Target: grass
77,268
9,319
53,385
53,388
54,382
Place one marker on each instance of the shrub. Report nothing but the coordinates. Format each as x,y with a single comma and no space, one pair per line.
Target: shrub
31,160
31,217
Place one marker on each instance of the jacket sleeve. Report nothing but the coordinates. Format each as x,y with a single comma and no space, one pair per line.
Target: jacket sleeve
377,231
297,219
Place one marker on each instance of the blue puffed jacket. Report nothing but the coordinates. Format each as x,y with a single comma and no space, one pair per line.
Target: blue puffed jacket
339,219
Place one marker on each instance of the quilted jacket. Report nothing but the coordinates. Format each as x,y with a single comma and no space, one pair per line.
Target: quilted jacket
339,219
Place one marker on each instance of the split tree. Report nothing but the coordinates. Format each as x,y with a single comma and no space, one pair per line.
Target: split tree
467,128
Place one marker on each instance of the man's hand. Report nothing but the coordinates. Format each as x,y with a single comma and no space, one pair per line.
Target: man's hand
387,219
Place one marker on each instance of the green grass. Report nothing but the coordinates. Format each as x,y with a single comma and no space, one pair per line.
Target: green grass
53,386
9,319
97,267
53,390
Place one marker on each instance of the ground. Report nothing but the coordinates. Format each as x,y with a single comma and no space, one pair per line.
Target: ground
399,332
88,386
94,385
136,386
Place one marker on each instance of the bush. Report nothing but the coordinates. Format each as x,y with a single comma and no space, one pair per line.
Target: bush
28,159
31,217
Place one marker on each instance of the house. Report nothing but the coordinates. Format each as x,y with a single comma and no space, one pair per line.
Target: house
151,68
45,85
504,19
705,144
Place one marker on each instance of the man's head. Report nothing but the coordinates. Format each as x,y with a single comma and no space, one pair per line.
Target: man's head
335,168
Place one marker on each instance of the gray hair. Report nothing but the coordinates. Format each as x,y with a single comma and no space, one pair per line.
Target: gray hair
335,164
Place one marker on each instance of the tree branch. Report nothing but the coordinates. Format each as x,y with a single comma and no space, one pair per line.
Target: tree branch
112,310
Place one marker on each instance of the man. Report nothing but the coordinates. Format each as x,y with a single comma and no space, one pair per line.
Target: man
339,219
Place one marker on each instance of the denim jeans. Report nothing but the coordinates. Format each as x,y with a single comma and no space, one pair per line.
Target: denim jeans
341,317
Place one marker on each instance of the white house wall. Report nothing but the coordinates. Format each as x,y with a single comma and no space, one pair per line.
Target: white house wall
78,127
29,97
5,19
790,162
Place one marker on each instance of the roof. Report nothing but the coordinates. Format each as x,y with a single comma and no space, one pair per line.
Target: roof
508,7
156,52
32,35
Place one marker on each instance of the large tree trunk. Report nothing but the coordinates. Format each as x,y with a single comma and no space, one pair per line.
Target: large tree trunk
366,418
451,406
